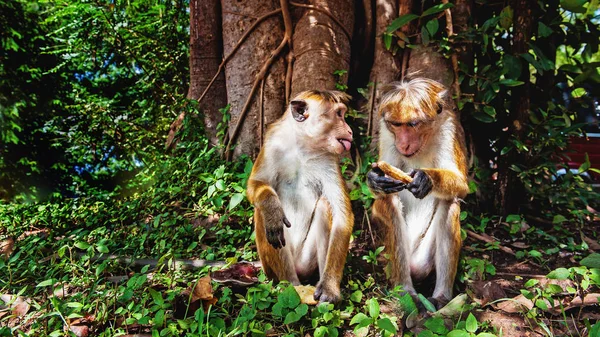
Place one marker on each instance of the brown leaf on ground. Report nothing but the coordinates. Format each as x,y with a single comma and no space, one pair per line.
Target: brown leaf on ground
80,330
486,291
520,245
18,305
516,304
577,302
510,325
7,246
203,289
307,294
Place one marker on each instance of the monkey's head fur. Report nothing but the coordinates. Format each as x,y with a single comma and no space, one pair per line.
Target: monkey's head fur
319,120
409,110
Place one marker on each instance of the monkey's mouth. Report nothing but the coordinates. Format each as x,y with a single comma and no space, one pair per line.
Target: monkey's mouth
347,144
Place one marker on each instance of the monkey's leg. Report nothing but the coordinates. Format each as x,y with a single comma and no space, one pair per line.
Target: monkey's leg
313,252
448,243
278,264
387,211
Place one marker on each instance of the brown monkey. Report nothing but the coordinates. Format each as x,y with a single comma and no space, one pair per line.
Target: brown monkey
421,136
303,219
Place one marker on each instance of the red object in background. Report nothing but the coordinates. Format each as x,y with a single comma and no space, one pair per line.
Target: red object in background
579,146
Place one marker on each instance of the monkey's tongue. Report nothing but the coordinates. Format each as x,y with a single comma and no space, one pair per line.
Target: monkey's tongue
346,144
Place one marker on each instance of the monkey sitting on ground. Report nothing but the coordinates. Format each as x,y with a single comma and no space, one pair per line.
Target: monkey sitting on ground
303,218
421,215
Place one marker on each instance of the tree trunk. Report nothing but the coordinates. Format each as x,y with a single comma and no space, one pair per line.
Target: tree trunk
206,53
386,66
321,46
242,69
510,188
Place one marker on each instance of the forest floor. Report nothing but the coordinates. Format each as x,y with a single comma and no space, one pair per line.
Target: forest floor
520,277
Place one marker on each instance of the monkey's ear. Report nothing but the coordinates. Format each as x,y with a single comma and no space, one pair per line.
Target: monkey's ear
299,109
440,108
441,99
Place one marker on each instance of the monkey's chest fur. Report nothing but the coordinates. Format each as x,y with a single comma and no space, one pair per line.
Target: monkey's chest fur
299,188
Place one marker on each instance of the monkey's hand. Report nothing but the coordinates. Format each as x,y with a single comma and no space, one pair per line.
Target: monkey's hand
421,184
380,184
274,221
327,292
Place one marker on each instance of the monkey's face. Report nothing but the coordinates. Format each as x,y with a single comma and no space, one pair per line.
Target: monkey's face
322,125
409,136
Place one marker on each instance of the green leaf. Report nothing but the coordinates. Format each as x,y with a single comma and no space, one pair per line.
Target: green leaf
591,261
511,83
82,245
543,30
486,334
320,331
471,323
424,36
436,9
512,66
531,283
432,26
506,17
156,296
428,305
585,165
558,219
46,283
559,274
291,317
407,303
458,333
235,200
387,41
302,309
373,306
386,325
356,296
400,21
289,298
359,318
159,318
541,304
436,324
102,248
575,6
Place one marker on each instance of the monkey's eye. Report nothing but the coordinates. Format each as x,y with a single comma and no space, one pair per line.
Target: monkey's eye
413,124
339,113
397,124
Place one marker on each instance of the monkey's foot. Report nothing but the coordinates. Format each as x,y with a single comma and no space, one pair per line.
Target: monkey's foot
327,292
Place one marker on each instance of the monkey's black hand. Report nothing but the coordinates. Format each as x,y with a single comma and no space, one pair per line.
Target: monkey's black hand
421,184
379,183
274,221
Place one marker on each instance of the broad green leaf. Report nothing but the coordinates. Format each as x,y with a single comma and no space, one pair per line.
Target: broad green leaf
511,83
506,17
291,317
46,283
559,274
235,200
432,26
82,245
436,324
156,296
289,298
585,165
373,306
386,325
543,30
458,333
424,35
356,296
387,41
575,6
400,21
471,323
436,9
359,318
321,331
591,261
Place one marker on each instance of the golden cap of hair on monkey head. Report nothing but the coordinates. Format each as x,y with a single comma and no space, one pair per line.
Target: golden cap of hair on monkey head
419,98
318,118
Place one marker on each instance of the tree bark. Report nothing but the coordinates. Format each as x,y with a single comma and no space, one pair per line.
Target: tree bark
510,188
241,70
206,53
386,66
321,46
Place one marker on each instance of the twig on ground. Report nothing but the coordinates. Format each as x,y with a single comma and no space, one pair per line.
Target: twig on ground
489,239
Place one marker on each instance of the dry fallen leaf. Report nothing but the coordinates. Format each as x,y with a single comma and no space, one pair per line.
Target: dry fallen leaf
203,291
18,305
516,304
307,294
6,247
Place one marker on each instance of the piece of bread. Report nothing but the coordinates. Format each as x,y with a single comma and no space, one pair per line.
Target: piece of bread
394,172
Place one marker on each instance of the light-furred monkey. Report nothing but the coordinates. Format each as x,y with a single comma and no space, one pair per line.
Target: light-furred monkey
303,218
421,136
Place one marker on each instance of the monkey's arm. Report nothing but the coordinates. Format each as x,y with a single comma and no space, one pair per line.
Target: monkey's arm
443,183
265,200
342,222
